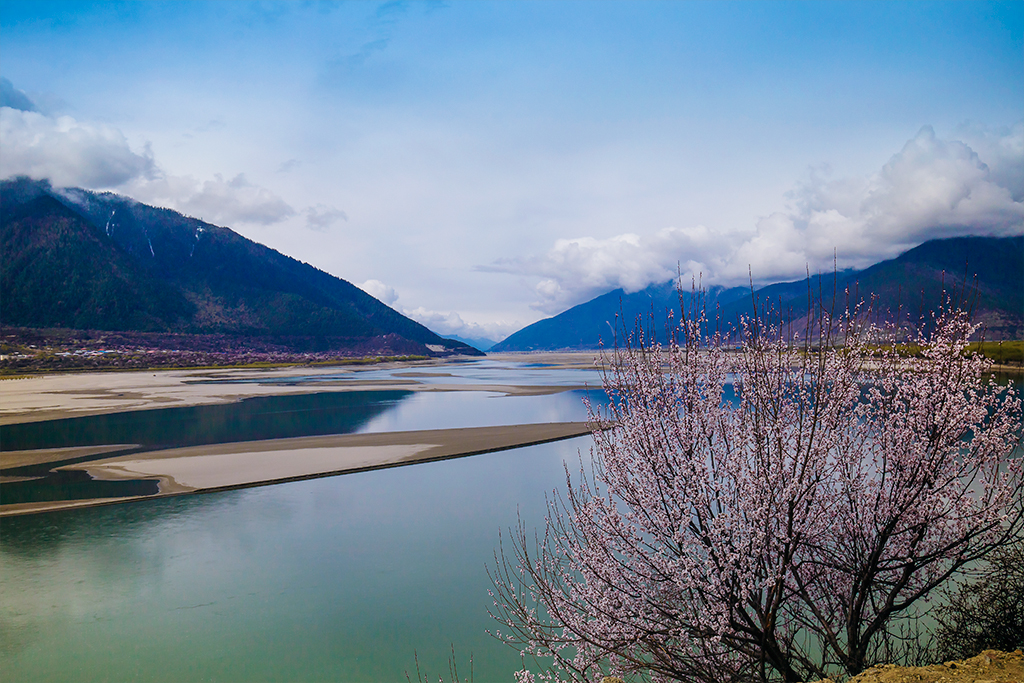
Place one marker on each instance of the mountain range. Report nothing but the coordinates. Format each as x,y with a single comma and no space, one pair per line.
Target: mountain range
81,260
985,274
99,261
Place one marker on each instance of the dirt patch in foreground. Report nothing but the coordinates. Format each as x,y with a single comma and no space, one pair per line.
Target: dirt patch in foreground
991,666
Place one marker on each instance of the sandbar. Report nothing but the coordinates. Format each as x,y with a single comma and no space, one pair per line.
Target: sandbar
41,456
219,467
556,360
57,396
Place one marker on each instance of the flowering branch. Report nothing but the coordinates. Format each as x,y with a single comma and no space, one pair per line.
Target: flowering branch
768,513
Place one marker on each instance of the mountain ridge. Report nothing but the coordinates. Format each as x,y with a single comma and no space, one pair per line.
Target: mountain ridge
83,260
987,271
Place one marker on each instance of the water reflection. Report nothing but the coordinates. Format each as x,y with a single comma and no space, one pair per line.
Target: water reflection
329,579
465,372
74,485
264,417
457,409
261,417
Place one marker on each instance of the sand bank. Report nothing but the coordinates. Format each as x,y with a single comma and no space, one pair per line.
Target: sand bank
249,466
198,469
48,397
41,456
569,360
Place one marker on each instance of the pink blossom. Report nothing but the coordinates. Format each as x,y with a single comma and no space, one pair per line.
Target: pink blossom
768,513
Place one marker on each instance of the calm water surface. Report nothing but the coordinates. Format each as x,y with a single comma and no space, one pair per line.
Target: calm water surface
336,579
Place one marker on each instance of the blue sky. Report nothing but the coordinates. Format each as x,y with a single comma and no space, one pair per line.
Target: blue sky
482,165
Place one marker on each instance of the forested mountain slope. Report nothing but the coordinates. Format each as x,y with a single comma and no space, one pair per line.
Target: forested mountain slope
85,260
985,274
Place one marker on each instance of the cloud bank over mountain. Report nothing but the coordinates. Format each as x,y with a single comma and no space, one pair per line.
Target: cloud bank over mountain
67,152
575,270
932,188
220,201
504,161
95,156
972,184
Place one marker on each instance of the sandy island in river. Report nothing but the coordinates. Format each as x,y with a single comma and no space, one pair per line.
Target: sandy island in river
55,396
218,467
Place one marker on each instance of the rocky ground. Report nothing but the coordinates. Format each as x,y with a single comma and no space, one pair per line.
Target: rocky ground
991,666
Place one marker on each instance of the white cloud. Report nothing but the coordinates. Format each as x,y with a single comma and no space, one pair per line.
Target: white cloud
576,270
451,323
71,153
322,217
932,188
1003,153
443,323
380,291
68,152
218,201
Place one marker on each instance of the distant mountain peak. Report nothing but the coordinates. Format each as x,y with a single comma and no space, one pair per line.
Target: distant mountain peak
989,271
69,253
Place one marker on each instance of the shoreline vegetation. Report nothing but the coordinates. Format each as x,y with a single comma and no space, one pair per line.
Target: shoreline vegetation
239,365
1006,356
26,352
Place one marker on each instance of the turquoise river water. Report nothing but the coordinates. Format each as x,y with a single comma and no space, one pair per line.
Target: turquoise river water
346,578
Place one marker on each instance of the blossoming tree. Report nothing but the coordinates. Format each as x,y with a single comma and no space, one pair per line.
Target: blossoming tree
769,512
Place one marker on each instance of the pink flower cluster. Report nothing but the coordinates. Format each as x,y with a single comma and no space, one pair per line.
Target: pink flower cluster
769,512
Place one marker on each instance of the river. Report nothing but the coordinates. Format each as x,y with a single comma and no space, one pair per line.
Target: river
346,578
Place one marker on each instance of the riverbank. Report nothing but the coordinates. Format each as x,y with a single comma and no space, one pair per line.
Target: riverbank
991,666
31,351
